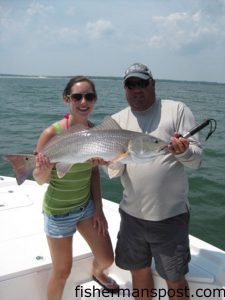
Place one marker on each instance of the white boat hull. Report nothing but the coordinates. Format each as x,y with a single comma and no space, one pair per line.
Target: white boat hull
25,261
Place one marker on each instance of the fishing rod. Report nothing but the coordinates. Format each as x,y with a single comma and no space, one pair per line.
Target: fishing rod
211,122
194,130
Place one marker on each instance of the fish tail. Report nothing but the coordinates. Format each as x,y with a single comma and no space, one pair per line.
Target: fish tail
22,164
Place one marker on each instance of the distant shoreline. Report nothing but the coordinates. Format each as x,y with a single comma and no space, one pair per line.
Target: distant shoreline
96,77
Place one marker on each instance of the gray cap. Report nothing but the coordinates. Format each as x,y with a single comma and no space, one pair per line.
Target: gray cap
138,70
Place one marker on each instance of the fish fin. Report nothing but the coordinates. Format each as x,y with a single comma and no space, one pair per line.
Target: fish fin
71,129
76,128
22,164
113,174
115,169
143,159
120,157
62,168
108,123
59,137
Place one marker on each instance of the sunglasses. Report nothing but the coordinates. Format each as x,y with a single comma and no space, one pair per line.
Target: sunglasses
78,97
137,83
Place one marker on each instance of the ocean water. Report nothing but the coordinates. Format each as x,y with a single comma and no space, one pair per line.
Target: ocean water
28,105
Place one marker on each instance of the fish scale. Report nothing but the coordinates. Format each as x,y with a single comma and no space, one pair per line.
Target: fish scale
77,146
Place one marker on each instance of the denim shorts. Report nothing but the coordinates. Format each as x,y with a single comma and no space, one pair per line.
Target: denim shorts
63,225
167,241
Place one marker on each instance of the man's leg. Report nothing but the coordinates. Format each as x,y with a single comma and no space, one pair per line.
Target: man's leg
178,290
142,283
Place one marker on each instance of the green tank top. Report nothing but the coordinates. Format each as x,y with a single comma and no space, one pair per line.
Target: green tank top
70,192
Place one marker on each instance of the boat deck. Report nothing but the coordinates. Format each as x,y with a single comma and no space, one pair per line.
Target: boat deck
25,260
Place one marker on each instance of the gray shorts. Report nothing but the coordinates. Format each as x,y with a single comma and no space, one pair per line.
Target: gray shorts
166,241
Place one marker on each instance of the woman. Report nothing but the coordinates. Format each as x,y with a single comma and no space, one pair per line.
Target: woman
74,201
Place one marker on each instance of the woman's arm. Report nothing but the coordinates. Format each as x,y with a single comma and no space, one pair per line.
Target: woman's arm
43,167
99,217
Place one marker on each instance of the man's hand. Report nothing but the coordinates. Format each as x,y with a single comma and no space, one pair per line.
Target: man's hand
178,144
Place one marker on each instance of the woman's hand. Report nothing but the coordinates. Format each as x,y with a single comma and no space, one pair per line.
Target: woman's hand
43,162
100,222
98,161
43,168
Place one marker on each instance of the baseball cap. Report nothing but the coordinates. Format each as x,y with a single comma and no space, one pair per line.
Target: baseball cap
137,70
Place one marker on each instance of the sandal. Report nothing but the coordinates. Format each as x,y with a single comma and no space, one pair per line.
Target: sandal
107,285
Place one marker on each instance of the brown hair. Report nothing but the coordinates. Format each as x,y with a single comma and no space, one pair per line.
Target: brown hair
76,79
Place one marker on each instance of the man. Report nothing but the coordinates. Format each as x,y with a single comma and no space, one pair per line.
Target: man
155,209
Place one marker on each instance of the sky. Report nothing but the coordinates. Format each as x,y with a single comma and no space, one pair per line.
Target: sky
177,39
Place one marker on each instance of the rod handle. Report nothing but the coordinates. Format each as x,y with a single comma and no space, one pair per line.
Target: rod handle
197,128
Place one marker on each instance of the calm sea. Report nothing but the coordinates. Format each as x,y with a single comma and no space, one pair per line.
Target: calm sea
28,105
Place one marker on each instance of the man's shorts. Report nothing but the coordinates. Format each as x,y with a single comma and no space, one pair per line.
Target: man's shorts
167,241
63,225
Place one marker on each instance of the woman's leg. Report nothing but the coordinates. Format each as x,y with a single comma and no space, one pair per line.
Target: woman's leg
61,254
101,247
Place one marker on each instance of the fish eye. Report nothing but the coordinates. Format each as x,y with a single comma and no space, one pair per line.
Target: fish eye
156,141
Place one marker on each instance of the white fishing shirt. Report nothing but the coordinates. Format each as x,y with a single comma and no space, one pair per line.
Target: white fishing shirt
159,189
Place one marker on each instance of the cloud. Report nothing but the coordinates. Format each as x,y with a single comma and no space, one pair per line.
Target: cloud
44,35
215,8
172,19
99,29
188,32
17,22
37,24
36,8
